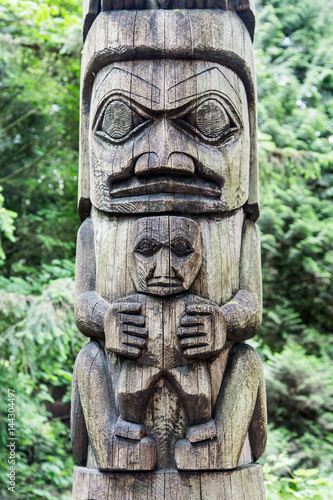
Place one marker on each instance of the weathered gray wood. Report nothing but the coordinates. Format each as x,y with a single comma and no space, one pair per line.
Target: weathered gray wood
244,483
149,36
168,335
244,8
168,400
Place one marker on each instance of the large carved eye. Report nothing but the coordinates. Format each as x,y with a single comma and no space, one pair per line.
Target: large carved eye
212,122
182,247
118,121
147,246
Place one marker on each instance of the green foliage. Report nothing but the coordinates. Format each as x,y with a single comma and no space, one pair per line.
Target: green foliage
39,98
295,112
6,225
38,347
296,163
300,401
300,483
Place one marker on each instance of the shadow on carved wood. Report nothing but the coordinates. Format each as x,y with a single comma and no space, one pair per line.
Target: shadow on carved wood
168,277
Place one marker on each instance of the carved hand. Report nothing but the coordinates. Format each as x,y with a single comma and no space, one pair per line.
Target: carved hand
125,331
202,331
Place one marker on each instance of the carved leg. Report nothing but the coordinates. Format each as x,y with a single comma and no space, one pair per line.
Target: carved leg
240,409
96,397
193,384
94,388
135,385
79,434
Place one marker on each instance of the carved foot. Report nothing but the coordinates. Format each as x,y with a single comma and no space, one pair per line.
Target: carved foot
201,432
129,454
198,456
129,430
209,455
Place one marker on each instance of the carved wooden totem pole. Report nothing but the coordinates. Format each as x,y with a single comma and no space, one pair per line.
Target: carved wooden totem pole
168,400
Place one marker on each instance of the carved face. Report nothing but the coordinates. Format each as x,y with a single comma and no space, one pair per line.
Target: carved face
166,254
168,136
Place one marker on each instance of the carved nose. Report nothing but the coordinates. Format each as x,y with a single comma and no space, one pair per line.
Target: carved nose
176,164
162,264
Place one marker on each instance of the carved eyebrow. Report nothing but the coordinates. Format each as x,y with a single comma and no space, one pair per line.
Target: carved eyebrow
197,79
137,86
167,234
151,234
180,232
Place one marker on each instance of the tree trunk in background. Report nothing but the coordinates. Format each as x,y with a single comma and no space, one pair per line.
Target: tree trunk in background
168,399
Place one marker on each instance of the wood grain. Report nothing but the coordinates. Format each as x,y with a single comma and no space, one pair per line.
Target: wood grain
245,483
168,400
166,340
149,36
244,8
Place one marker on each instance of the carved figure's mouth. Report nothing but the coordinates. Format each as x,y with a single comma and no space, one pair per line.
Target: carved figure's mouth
155,184
170,282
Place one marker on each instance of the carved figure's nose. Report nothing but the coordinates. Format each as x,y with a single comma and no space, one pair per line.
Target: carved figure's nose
162,264
175,164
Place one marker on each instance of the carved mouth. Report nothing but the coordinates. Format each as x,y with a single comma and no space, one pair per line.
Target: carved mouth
193,185
172,282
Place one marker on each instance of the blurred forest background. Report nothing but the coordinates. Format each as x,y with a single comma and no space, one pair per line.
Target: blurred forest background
39,103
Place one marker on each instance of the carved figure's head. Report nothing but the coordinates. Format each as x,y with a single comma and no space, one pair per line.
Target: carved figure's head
169,126
165,254
169,135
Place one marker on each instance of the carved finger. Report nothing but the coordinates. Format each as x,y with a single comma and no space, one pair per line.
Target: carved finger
198,341
135,330
202,351
199,309
132,319
131,341
189,332
128,307
191,320
130,351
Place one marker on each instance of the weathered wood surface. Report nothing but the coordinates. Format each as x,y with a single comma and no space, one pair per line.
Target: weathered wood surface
244,483
150,38
155,332
168,400
244,8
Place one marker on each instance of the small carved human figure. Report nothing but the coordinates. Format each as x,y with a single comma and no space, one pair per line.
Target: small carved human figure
166,336
162,331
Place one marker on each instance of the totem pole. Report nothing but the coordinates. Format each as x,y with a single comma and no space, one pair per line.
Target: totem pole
168,400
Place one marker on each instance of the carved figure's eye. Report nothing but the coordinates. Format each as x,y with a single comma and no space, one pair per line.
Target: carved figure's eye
147,247
212,122
118,121
182,247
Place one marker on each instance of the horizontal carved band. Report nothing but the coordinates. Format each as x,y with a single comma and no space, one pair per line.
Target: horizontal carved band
244,8
244,483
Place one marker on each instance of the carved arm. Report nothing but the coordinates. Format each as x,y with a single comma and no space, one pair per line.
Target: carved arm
243,313
90,308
